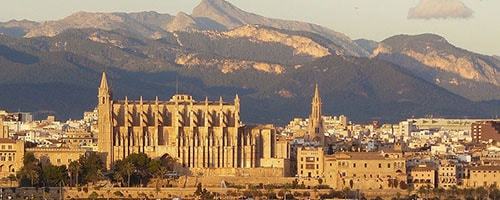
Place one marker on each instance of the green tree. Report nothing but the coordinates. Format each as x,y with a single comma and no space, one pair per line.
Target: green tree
74,170
92,167
30,171
141,164
128,169
53,176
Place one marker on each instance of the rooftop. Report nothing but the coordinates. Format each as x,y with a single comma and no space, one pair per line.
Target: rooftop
7,141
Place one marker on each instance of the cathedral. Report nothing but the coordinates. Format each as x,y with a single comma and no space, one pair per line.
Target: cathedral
199,134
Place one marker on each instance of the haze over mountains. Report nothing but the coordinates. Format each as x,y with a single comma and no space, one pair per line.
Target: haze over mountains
221,50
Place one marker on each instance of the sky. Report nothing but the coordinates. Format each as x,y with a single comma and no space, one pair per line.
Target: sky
469,24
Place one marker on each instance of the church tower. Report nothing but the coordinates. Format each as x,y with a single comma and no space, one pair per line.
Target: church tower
104,139
4,130
316,131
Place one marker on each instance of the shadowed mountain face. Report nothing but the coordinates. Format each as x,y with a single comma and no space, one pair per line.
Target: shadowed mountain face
63,79
221,50
431,57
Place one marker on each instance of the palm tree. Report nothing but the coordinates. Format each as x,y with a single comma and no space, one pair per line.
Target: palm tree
74,168
159,175
128,169
32,175
118,177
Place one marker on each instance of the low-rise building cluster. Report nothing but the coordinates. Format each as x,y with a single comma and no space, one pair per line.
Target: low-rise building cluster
209,138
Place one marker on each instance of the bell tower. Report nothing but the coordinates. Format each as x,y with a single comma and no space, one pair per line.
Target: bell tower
315,130
104,107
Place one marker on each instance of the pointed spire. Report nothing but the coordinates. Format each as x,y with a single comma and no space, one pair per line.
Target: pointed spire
104,81
221,100
316,92
237,98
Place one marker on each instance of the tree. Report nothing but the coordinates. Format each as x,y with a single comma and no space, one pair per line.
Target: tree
74,169
141,163
92,167
128,169
53,176
12,178
29,173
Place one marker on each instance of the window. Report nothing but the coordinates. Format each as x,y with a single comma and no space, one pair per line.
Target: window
379,165
366,165
354,165
388,165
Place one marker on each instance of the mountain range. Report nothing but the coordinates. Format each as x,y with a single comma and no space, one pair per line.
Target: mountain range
220,50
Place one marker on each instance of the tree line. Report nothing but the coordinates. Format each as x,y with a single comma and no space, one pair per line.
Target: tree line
135,170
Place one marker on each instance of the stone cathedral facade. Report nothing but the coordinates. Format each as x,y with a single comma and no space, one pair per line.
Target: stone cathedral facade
199,134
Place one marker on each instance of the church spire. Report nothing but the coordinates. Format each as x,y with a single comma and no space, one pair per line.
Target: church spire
104,94
104,81
316,93
315,119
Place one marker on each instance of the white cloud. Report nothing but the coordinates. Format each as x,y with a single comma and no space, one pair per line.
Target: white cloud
439,9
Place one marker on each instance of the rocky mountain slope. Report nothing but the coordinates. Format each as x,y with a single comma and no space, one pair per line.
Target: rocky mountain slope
434,59
60,74
17,28
208,15
229,16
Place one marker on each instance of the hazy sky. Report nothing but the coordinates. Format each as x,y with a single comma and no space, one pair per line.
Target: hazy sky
470,24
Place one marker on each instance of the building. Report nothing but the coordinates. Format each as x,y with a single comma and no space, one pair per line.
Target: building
486,131
365,170
422,176
310,162
316,131
4,130
483,176
57,156
447,174
355,170
199,134
77,137
11,156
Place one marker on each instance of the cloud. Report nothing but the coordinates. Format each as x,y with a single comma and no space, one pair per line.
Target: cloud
440,9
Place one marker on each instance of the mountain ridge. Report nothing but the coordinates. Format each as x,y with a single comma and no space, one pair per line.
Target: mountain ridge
69,65
433,58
